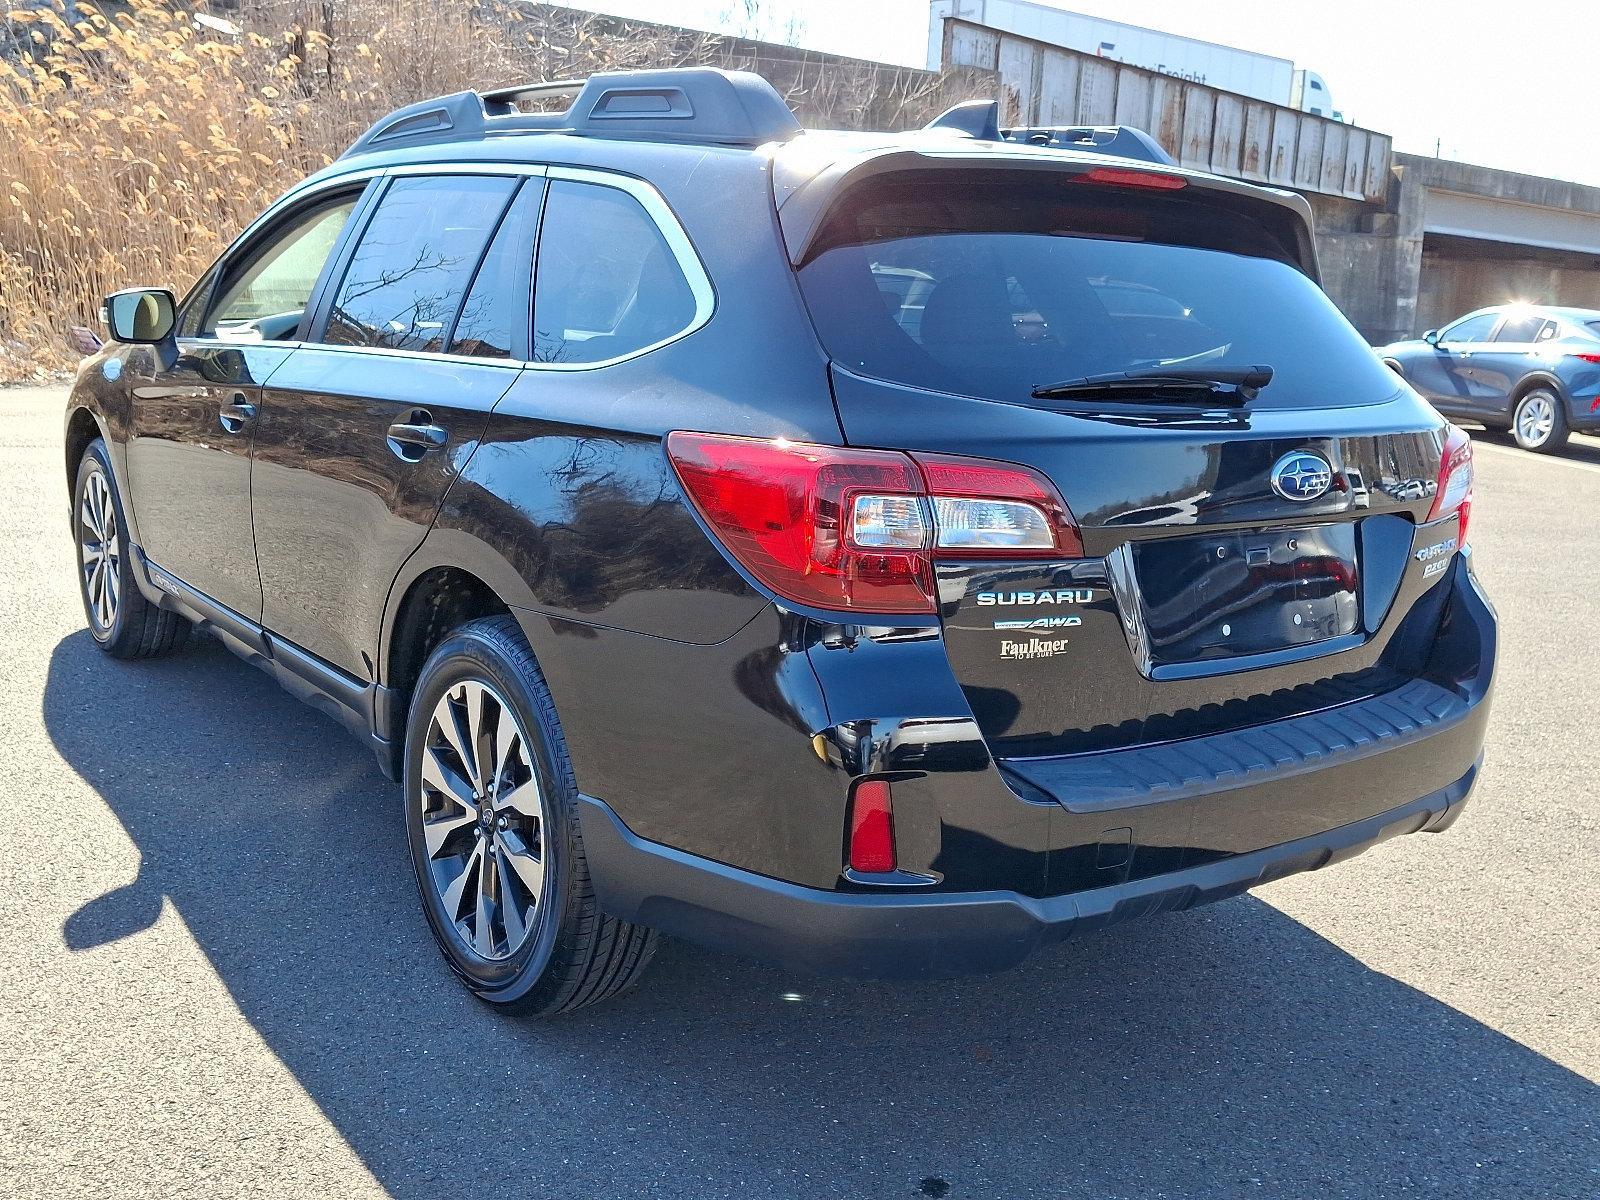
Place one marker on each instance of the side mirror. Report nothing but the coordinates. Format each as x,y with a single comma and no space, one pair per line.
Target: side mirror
1431,337
142,316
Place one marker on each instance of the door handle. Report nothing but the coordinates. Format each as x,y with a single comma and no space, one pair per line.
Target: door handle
416,435
236,414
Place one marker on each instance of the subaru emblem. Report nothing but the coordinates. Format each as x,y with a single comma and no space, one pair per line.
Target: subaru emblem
1301,476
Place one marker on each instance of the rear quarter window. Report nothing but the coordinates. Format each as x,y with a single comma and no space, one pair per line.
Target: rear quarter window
607,283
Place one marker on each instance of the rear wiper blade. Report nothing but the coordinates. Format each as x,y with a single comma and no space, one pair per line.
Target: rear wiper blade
1151,381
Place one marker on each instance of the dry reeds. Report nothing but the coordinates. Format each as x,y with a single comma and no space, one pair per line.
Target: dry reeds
137,141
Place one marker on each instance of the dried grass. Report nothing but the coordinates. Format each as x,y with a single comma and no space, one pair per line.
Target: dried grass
141,141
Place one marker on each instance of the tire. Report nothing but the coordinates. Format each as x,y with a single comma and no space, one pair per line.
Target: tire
122,622
1539,421
499,853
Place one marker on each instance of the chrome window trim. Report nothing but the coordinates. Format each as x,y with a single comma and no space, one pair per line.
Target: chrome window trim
466,168
470,360
305,190
648,198
503,364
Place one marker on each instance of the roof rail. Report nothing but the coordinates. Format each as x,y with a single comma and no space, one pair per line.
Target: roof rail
980,119
701,105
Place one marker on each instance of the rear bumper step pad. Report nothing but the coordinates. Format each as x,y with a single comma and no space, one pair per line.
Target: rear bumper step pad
1240,758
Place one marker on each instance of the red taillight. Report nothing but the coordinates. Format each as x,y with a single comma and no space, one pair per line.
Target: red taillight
872,828
1455,480
858,530
1126,177
782,510
1594,405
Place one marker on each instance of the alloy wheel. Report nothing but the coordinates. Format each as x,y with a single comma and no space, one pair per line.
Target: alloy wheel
1536,419
483,820
100,551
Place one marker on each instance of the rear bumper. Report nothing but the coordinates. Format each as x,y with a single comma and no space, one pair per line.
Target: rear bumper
1021,857
942,933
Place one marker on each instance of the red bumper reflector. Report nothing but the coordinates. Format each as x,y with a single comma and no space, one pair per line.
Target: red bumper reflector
872,828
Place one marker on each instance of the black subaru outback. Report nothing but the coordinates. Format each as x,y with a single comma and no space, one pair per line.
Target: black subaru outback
884,552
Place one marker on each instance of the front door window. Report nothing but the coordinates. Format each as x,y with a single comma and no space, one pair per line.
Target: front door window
265,297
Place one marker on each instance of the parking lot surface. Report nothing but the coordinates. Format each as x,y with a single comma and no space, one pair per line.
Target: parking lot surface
215,979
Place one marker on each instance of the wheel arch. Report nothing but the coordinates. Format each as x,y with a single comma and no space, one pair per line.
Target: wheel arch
93,414
82,427
429,600
1536,379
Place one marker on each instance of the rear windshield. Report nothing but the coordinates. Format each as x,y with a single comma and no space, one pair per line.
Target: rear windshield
994,285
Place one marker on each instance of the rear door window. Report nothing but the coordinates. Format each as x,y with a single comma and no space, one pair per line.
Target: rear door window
994,285
607,283
409,274
1520,327
496,317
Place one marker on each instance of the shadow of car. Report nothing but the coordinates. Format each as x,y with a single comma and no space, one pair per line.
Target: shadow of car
1225,1051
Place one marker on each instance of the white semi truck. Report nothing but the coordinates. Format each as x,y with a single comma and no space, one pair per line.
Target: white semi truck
1233,70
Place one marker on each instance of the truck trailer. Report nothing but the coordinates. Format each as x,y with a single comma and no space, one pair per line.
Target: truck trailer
1262,76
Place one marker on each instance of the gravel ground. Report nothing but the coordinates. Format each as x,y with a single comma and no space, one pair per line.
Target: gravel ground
217,981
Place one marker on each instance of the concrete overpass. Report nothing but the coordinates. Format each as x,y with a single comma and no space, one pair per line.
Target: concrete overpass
1490,235
1406,242
1449,237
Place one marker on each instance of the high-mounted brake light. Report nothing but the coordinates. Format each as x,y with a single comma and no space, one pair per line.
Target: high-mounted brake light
858,530
1455,480
1127,177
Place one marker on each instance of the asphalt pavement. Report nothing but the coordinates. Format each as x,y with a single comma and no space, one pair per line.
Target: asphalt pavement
215,979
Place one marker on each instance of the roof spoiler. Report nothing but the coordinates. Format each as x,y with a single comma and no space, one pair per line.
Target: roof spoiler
980,120
701,105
